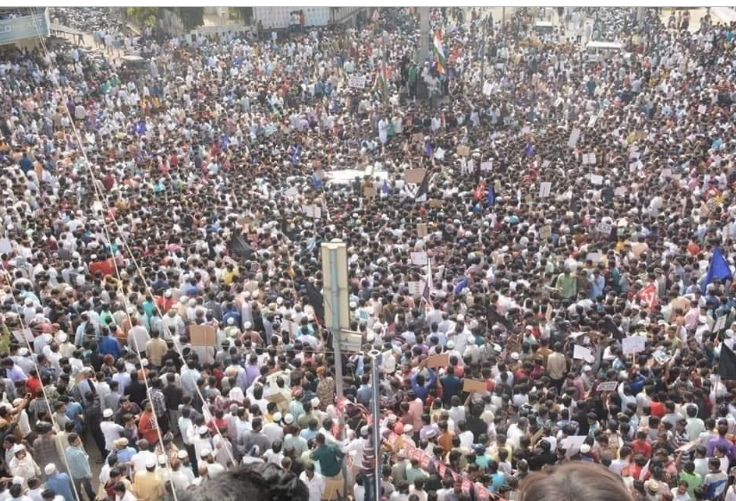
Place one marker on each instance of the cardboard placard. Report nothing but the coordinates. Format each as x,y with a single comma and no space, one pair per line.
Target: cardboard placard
486,166
414,176
435,203
202,335
544,189
369,192
419,258
463,150
417,137
440,360
633,345
422,230
277,397
472,386
607,386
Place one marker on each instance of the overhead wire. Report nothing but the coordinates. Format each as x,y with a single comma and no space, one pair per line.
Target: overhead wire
103,201
79,145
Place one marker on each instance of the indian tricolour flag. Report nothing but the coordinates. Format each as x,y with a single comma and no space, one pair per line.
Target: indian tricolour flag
439,51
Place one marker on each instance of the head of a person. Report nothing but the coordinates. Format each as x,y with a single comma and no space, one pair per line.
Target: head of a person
575,481
256,482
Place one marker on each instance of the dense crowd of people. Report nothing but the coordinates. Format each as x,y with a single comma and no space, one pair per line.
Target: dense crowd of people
540,245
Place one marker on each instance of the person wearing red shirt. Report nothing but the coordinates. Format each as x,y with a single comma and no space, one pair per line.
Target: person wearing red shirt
641,446
147,425
34,385
101,268
658,409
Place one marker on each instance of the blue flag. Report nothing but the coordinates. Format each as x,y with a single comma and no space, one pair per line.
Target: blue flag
385,189
491,195
717,268
461,285
316,182
297,153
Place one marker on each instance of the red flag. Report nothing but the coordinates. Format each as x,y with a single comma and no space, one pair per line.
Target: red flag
480,191
648,296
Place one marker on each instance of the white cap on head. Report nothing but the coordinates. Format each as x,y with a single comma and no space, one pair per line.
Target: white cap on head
107,413
49,469
585,448
182,454
204,453
150,463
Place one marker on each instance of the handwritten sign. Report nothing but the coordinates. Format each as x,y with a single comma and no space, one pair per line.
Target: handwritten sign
203,335
544,189
607,386
633,345
463,150
357,81
596,179
416,288
414,176
486,166
604,228
313,211
440,360
422,230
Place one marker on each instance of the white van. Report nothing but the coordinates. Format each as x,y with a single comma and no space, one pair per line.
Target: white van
598,51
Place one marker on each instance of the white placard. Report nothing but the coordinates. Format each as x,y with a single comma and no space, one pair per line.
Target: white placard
439,154
419,258
416,288
291,192
357,81
574,136
582,353
620,191
666,173
633,345
572,444
6,246
544,189
594,257
604,228
596,179
486,166
589,159
546,164
487,89
313,211
720,324
19,336
592,121
702,108
525,129
607,386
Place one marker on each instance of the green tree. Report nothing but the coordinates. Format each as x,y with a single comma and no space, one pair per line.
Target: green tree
191,17
143,16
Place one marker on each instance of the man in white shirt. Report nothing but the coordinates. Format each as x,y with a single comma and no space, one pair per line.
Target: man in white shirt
314,482
111,430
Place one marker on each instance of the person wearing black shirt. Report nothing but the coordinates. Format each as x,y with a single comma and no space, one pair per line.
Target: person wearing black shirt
475,423
541,456
136,390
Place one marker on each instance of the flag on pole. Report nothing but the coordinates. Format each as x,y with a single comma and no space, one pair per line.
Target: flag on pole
439,51
648,296
717,268
385,188
480,191
727,364
423,186
428,286
491,195
462,284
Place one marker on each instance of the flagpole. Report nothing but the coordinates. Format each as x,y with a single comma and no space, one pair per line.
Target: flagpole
715,391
